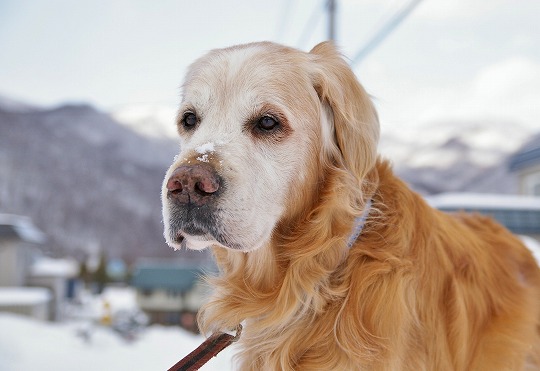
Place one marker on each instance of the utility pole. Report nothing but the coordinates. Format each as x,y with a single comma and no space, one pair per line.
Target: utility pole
332,4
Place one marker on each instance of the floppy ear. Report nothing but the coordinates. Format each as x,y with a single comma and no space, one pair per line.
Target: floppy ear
356,124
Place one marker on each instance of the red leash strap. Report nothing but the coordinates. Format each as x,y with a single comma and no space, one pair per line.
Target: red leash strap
210,348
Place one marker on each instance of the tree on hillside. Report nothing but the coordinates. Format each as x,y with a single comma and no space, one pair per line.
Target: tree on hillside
100,275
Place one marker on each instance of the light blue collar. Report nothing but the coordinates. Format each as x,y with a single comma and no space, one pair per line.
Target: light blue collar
359,225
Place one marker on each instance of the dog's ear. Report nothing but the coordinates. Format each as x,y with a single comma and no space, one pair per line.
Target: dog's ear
356,125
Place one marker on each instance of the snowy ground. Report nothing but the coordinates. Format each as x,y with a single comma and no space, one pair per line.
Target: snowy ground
28,344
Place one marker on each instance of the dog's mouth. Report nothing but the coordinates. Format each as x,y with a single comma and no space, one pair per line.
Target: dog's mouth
197,239
192,228
193,242
197,228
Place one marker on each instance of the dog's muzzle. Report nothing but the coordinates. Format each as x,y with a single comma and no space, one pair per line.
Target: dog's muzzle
192,193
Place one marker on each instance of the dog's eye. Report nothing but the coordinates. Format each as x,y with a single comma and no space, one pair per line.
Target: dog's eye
189,120
267,123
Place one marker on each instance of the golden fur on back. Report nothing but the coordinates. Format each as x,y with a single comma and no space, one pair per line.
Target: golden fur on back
418,290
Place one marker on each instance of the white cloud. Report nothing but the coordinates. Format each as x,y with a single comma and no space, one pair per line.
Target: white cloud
447,9
508,90
512,79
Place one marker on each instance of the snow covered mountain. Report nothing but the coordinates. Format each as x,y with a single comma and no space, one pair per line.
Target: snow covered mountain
13,105
442,144
457,156
152,120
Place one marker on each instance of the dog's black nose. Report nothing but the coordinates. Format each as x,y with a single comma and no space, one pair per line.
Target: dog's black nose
193,184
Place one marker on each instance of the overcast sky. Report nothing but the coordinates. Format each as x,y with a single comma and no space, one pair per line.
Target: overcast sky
458,59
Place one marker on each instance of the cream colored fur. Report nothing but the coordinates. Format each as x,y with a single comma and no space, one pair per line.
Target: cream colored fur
419,290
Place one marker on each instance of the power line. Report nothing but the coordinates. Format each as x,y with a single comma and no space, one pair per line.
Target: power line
310,26
285,17
332,5
385,30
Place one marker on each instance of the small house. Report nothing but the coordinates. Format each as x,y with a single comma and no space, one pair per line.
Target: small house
19,240
31,283
170,292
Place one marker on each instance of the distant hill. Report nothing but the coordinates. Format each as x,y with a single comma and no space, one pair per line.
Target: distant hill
87,182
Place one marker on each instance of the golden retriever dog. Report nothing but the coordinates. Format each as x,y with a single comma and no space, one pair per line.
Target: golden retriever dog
327,259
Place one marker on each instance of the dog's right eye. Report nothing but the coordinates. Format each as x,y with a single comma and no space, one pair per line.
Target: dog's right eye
189,120
267,123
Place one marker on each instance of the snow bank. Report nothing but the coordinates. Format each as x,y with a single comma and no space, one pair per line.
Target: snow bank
27,344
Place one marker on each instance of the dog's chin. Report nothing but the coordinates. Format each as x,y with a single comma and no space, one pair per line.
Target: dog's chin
203,241
197,242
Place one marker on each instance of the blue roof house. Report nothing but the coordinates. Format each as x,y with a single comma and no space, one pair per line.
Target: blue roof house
170,292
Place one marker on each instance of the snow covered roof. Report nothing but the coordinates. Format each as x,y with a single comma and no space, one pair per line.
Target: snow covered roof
23,296
48,267
483,201
21,227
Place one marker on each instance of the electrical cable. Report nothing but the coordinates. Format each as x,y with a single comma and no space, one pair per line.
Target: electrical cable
311,24
384,31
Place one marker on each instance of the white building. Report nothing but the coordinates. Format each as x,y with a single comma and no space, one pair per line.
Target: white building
22,264
19,239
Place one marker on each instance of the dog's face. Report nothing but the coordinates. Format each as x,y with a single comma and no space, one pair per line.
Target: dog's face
254,127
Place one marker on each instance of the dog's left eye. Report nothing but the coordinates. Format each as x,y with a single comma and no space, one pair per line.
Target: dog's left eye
267,123
189,120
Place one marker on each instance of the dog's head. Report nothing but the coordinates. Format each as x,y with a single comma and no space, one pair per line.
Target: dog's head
258,123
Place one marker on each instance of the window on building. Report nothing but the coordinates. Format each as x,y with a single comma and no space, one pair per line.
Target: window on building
171,293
